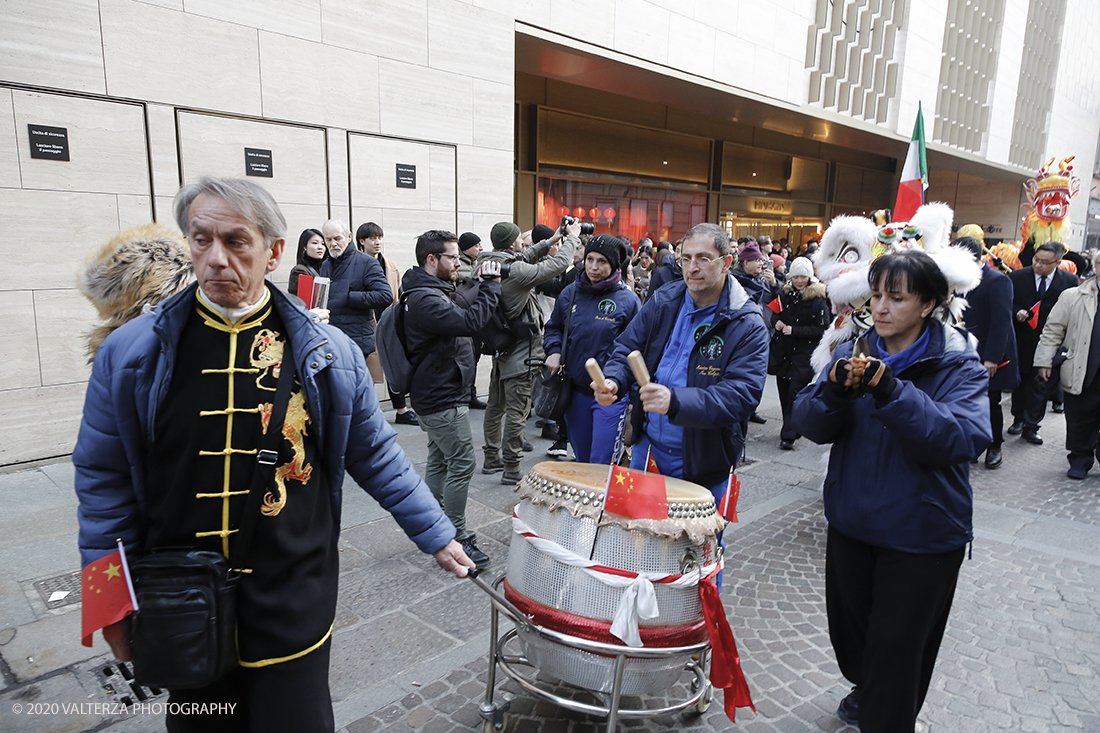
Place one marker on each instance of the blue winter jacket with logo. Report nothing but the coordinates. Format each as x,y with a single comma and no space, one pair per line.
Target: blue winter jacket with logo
899,471
131,375
726,372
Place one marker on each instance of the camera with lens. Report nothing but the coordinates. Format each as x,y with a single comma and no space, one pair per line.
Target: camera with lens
504,268
586,226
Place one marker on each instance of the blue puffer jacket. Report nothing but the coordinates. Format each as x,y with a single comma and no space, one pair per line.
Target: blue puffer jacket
899,471
726,373
130,378
359,287
598,319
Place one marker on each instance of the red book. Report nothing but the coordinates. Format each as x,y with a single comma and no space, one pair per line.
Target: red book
636,494
1034,320
727,507
776,306
105,595
305,289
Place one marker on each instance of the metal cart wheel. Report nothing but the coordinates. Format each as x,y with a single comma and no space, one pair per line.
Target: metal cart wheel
704,702
489,726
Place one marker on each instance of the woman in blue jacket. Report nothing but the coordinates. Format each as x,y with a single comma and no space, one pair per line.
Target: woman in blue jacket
602,308
904,419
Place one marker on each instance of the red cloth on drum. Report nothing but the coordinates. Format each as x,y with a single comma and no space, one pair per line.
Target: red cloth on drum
725,662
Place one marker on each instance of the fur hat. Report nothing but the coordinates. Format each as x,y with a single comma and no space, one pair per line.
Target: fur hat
503,234
138,267
800,266
467,240
610,247
749,251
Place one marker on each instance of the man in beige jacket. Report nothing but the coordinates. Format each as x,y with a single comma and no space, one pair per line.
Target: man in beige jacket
1073,324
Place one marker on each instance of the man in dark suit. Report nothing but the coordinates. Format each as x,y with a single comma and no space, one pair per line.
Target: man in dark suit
1040,284
989,317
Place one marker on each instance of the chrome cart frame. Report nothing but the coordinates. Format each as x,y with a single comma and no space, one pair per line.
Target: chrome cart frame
495,714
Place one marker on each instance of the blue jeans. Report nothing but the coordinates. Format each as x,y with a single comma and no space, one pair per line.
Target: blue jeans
593,429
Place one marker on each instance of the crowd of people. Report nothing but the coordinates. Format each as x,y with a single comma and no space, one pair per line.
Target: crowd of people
179,400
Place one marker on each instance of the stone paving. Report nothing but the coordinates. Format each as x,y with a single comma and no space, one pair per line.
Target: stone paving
1021,653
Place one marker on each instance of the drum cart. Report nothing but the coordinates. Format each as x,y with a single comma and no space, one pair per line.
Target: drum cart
495,714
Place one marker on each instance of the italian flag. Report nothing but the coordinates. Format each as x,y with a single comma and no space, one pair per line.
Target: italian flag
914,176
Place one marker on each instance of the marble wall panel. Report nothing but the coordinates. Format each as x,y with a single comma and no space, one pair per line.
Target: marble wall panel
164,211
691,45
53,43
594,23
67,227
486,181
9,142
641,29
403,226
213,144
134,211
393,29
298,18
717,13
163,149
373,164
471,41
318,83
338,172
443,183
63,319
535,12
39,422
21,367
734,69
163,55
426,104
494,115
106,144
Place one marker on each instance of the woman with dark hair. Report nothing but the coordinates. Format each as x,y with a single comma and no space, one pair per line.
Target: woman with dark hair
602,308
311,253
905,414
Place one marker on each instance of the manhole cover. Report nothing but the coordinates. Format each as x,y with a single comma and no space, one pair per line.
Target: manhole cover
60,590
117,680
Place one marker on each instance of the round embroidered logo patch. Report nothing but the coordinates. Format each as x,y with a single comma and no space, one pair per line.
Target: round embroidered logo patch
712,349
700,330
607,306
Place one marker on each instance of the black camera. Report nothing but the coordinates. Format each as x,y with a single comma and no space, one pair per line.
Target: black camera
586,226
504,268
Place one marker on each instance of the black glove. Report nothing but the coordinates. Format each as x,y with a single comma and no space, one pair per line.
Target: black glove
838,374
878,380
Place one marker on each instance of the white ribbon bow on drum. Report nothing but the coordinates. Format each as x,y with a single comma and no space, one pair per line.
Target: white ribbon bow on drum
638,601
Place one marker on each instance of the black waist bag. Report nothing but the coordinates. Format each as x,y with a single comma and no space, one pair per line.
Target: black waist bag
184,633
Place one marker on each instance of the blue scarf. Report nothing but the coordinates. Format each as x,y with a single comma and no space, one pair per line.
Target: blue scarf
906,357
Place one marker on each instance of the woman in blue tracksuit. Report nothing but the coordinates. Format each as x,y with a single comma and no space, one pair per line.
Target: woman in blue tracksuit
897,493
602,308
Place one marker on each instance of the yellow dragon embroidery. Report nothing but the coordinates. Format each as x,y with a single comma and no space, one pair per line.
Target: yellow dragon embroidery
267,354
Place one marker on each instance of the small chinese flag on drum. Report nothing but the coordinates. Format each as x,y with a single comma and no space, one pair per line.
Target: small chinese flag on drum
105,594
650,464
727,507
636,494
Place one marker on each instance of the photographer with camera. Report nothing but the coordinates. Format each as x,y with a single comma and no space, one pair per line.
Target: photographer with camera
512,378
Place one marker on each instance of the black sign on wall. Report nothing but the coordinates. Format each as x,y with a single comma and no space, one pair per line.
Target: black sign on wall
257,162
49,143
406,176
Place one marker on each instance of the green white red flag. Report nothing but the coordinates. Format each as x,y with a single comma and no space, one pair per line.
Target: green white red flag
914,176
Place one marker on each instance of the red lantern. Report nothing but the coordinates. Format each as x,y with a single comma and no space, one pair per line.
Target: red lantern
609,213
563,210
578,212
593,213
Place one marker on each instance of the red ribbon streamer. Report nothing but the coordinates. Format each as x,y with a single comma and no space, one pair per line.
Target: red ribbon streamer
725,662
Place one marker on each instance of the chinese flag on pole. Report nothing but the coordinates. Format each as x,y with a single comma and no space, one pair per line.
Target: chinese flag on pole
650,464
1033,321
914,176
636,494
776,306
727,507
105,594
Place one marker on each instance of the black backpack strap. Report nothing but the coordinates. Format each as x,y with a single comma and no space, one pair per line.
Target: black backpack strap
399,323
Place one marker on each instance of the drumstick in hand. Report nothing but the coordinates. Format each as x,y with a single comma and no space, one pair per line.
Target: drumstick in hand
594,371
637,365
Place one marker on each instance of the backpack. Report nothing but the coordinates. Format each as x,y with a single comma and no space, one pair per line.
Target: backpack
498,334
390,340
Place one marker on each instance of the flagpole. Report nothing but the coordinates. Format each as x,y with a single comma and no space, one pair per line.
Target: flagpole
607,488
126,572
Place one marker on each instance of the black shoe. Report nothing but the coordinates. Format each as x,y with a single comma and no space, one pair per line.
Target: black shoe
757,418
786,444
1058,408
1077,472
476,404
848,710
408,417
511,477
993,458
1032,436
560,449
481,560
491,467
542,422
1016,428
550,431
527,447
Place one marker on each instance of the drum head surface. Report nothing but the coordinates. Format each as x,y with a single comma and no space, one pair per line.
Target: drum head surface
593,477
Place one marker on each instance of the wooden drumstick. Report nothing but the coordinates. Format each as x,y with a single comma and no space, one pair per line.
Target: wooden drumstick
637,365
595,372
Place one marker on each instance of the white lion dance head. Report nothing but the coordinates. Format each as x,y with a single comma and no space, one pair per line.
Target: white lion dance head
843,263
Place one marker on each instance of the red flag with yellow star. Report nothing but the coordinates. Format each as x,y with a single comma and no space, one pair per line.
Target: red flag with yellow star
105,595
650,464
636,494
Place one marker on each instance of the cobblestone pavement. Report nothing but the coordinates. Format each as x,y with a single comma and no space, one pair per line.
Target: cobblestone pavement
1021,653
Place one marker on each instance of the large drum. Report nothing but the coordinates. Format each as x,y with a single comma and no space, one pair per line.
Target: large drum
559,525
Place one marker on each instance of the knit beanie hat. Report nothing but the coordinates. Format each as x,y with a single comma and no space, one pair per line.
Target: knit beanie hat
540,233
467,240
610,247
503,234
800,266
750,251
